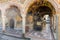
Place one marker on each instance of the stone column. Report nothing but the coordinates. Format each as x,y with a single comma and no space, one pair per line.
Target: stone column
3,20
23,14
56,24
51,25
23,23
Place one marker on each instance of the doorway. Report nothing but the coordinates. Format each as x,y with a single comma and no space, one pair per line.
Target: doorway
12,23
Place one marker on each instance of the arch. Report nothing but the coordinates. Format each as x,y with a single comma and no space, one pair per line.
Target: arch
37,10
37,4
13,13
13,7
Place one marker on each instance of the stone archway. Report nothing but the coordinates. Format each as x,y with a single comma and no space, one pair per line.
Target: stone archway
35,17
13,16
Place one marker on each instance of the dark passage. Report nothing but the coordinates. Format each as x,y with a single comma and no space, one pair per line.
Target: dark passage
11,23
38,15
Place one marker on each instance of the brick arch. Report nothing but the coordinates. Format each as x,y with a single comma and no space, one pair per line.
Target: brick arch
53,4
36,4
11,3
13,7
13,13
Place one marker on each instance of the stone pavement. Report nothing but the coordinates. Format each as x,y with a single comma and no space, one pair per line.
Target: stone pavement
45,34
11,34
5,37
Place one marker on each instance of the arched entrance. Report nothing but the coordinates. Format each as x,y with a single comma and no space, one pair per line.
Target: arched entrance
39,19
13,18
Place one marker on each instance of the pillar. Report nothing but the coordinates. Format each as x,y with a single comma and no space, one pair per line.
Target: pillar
56,24
3,21
51,25
23,23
